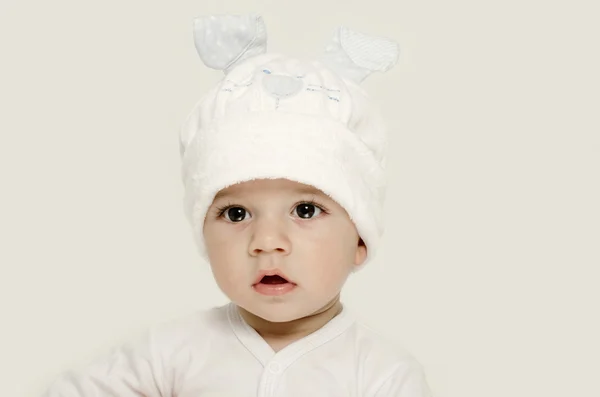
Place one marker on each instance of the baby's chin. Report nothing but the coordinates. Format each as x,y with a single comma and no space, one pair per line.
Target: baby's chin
278,312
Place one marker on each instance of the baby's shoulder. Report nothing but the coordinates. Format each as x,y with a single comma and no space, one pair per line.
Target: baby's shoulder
198,328
386,367
379,352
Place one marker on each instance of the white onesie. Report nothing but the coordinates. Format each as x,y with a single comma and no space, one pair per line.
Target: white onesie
215,353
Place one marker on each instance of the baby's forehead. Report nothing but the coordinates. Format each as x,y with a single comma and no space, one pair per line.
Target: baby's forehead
266,186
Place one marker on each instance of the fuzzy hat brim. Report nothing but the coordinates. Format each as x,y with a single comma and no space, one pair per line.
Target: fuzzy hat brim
309,149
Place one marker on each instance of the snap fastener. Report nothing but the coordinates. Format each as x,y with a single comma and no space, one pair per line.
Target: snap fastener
275,368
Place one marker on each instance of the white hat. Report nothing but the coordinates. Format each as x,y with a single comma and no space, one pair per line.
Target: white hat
274,116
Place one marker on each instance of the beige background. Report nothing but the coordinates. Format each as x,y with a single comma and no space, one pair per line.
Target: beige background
489,271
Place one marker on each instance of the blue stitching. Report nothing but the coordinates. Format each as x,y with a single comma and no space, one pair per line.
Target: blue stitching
328,89
324,88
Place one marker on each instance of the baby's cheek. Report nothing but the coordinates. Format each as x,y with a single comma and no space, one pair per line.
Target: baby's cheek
331,274
215,239
339,253
228,277
224,247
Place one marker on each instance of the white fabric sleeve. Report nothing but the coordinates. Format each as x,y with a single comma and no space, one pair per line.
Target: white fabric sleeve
134,369
403,383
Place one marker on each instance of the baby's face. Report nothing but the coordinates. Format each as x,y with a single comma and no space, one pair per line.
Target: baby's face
270,225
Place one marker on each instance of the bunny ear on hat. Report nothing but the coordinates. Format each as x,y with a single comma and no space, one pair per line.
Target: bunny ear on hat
223,41
355,55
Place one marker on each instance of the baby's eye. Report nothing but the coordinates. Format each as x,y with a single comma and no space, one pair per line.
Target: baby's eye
235,214
307,210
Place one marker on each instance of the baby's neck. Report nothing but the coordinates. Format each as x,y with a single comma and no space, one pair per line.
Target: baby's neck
280,335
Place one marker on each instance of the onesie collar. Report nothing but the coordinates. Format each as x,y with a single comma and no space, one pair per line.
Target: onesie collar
256,345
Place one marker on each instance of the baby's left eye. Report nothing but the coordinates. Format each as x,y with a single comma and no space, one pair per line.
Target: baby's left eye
307,211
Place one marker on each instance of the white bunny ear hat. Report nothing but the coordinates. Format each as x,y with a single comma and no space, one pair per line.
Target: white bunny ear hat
274,116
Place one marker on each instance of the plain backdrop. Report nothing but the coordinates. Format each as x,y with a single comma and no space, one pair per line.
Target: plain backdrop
489,269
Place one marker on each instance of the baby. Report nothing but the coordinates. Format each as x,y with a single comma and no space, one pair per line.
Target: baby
283,167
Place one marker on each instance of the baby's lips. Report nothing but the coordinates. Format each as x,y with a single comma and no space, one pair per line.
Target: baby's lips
271,272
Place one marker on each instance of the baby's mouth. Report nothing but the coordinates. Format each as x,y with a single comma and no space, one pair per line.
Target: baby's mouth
272,285
273,280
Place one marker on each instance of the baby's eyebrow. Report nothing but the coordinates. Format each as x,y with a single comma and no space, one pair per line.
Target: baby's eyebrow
221,194
300,190
310,190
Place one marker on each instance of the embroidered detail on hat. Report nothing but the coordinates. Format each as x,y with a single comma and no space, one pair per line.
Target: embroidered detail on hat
330,92
230,85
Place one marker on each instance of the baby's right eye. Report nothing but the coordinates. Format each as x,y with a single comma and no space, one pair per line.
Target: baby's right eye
234,214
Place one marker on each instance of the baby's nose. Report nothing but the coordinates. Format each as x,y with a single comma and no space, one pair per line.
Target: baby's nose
281,86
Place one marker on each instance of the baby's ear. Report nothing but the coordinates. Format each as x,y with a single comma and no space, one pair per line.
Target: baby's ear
361,253
355,55
223,41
